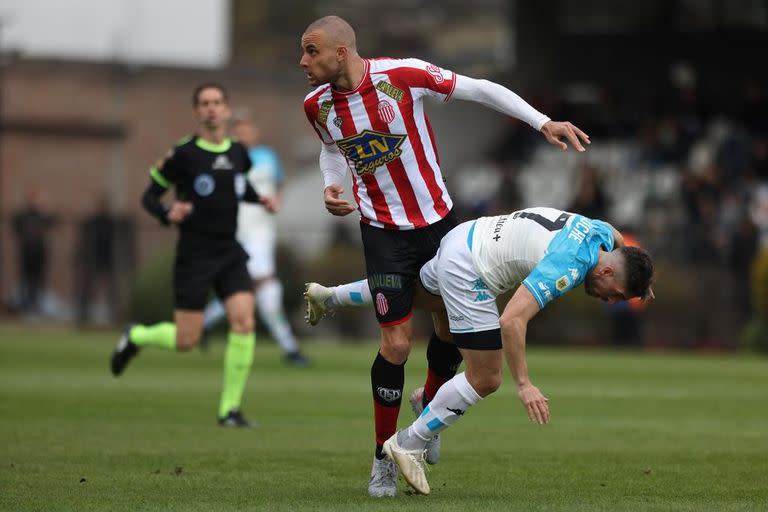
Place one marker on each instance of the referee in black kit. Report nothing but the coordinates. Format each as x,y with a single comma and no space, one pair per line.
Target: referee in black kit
208,171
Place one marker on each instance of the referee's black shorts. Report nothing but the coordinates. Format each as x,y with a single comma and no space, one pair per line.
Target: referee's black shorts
203,263
393,259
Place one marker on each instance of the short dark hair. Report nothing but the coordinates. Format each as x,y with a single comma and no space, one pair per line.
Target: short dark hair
208,85
639,271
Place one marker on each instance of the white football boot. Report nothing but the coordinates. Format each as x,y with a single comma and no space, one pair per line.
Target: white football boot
410,462
383,480
316,297
432,455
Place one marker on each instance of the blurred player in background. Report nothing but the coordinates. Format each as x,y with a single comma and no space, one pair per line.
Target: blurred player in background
369,116
256,232
208,172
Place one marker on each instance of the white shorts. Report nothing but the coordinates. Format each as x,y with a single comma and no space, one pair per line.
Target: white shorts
470,304
261,256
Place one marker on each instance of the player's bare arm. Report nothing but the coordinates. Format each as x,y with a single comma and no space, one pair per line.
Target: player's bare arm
521,308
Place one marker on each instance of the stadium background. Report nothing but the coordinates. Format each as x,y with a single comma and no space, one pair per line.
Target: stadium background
92,92
679,155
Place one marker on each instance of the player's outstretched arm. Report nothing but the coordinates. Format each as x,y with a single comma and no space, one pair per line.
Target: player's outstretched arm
514,325
507,102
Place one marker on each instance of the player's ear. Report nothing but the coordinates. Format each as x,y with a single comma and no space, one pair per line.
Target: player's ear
342,53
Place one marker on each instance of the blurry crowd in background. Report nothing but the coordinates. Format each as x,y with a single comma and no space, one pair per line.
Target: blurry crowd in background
679,160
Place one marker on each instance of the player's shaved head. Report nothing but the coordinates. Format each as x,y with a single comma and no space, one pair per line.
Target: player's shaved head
336,29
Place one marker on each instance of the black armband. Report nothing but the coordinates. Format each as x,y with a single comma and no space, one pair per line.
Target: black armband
151,202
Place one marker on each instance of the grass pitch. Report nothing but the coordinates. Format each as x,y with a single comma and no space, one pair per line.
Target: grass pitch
629,431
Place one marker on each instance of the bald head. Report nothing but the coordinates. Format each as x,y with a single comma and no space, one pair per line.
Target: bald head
336,29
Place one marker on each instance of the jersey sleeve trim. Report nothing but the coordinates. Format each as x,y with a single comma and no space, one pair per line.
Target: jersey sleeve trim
535,294
158,177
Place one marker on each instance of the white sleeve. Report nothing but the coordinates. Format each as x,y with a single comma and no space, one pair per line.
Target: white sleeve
498,98
333,165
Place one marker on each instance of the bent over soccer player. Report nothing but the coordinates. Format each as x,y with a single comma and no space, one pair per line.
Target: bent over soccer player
550,252
208,172
369,115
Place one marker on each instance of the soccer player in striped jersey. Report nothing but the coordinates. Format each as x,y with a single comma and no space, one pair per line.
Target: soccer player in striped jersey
369,116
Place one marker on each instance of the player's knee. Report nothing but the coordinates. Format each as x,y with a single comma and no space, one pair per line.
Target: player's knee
186,340
242,324
485,383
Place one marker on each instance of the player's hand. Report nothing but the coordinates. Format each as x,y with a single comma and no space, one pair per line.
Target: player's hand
179,211
553,130
271,203
334,204
535,403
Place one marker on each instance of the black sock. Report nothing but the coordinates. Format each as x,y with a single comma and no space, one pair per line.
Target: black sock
387,381
443,359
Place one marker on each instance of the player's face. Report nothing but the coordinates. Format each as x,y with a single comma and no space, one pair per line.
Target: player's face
319,59
606,287
212,109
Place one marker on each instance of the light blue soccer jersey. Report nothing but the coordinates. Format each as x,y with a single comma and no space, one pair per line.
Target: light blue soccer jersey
265,161
571,254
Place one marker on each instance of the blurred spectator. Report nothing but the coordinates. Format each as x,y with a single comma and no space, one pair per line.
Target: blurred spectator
31,226
590,199
742,252
95,260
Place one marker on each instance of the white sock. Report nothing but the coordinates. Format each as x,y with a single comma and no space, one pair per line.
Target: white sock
352,294
213,314
269,301
450,403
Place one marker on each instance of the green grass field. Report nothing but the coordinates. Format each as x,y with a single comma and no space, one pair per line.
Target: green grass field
629,431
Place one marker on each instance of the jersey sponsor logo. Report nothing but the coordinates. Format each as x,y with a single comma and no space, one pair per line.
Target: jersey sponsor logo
389,394
222,162
370,150
457,412
456,318
204,185
322,114
390,90
386,112
239,186
382,306
498,226
391,281
562,284
436,73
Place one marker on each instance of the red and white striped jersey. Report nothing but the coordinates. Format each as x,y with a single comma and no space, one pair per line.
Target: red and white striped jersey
383,132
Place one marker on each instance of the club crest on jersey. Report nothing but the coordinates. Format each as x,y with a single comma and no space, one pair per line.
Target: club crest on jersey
337,122
325,107
562,284
386,112
204,185
370,149
390,90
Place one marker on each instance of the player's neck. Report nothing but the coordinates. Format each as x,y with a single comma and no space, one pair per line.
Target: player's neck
214,137
353,76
